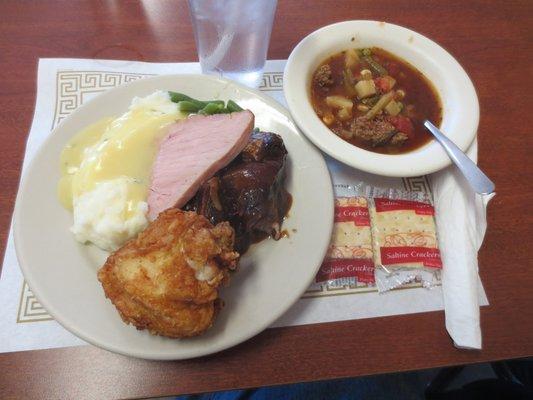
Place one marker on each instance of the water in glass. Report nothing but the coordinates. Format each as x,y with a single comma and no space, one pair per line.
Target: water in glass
232,37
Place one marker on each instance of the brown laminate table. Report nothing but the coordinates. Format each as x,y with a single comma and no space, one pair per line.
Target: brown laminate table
492,40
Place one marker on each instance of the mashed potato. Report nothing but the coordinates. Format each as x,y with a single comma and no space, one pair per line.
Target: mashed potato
106,171
100,215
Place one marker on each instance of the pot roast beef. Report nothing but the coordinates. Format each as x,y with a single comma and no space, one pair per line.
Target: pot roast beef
249,192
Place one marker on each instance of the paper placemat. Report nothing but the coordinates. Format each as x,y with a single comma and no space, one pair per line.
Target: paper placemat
65,84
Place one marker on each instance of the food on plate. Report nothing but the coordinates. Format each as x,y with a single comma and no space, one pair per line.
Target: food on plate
375,100
120,172
249,192
126,178
404,239
349,260
166,279
106,171
210,107
193,150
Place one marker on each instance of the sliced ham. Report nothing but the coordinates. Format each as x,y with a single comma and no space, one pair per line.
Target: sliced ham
192,152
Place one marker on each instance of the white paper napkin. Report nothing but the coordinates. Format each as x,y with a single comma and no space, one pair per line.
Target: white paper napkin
462,222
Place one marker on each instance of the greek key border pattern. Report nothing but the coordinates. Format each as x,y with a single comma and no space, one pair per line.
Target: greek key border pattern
73,86
271,81
30,310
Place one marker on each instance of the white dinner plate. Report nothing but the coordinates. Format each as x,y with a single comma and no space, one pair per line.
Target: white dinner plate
272,275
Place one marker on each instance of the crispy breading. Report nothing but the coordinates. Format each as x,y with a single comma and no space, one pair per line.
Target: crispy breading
166,280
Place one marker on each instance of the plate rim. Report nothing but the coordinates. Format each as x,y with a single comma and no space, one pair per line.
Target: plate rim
57,315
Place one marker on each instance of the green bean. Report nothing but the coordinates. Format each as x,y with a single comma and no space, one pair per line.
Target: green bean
219,102
375,66
189,106
233,107
211,108
176,97
370,101
380,105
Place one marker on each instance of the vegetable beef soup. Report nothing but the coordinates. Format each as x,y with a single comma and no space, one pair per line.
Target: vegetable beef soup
375,100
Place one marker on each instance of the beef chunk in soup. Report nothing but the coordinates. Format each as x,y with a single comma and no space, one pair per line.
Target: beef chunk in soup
323,76
376,131
398,139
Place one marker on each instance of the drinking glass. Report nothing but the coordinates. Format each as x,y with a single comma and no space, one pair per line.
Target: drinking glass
232,37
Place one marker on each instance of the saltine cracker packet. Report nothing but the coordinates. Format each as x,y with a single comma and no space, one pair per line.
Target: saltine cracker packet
349,260
405,243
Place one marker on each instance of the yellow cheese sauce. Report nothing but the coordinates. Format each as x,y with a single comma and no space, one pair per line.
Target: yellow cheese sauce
111,149
72,156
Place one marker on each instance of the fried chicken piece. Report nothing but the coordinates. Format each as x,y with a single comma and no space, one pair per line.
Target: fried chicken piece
166,280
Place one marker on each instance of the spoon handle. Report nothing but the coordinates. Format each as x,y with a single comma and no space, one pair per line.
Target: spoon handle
477,179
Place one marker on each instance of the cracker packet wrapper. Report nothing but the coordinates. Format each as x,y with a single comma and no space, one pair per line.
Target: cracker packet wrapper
405,243
349,260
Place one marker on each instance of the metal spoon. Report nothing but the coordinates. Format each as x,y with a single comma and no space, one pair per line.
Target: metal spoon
475,177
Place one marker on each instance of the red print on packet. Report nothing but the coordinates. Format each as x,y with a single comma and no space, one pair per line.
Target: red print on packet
392,205
356,214
360,268
429,257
